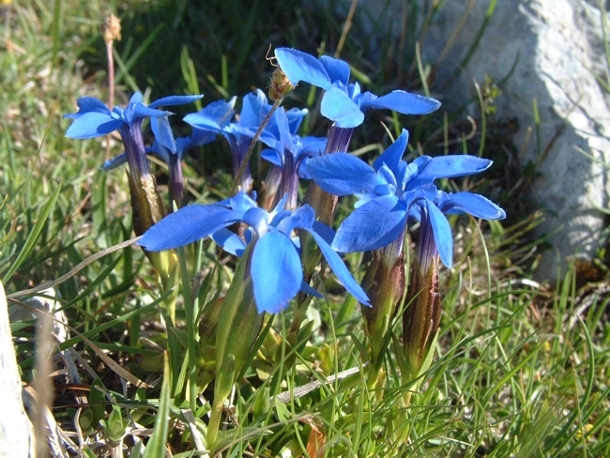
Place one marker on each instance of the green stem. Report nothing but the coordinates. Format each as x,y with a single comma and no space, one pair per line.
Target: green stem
191,331
214,424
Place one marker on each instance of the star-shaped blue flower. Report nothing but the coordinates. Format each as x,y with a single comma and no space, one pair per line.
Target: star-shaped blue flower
238,134
275,267
288,152
94,118
343,102
280,135
392,191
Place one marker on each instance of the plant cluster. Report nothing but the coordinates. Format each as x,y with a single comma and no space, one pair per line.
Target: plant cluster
285,242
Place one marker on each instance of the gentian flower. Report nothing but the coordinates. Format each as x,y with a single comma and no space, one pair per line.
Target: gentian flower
288,152
390,194
392,191
254,109
275,266
343,102
94,119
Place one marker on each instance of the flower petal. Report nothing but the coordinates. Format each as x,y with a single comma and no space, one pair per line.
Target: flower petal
271,155
187,225
88,105
136,98
313,146
342,174
303,218
393,154
201,137
324,231
295,118
299,66
214,117
276,272
115,162
163,132
142,111
340,108
442,233
229,241
305,288
337,69
473,204
255,106
374,225
161,151
341,271
175,100
400,101
451,166
242,202
93,124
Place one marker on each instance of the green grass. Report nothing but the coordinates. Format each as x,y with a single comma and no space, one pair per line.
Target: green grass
520,368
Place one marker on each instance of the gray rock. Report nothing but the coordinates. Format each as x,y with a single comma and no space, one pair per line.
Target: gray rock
558,49
559,46
16,432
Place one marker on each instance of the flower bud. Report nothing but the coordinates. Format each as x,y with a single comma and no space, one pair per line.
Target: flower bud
384,285
422,317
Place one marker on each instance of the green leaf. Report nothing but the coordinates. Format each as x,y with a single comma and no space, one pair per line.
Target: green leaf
156,444
33,236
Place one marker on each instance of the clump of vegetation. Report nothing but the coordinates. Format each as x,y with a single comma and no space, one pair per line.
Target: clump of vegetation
260,310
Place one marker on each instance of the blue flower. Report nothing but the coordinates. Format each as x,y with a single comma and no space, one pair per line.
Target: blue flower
275,267
214,119
94,119
343,102
392,191
288,152
280,135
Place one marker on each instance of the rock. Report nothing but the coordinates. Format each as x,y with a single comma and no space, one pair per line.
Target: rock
556,47
559,47
16,433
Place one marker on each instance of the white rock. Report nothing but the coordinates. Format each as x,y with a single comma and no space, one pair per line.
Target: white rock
16,433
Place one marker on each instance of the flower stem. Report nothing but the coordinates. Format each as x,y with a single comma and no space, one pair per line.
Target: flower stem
191,331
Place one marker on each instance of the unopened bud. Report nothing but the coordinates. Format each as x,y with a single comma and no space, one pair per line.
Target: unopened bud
422,317
384,285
